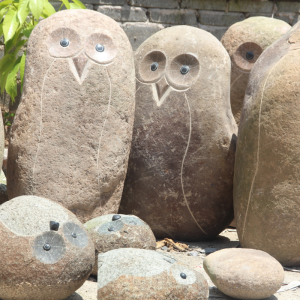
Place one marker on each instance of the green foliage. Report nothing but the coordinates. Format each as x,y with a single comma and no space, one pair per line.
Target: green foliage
6,117
17,20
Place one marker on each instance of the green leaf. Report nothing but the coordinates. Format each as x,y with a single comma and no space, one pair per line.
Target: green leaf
79,4
36,7
5,70
10,24
66,3
28,30
11,81
23,10
3,12
5,3
1,29
4,60
74,6
22,69
7,124
48,9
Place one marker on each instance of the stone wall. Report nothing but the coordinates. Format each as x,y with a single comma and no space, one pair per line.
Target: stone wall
141,18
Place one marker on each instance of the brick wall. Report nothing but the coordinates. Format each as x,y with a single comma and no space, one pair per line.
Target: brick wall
142,18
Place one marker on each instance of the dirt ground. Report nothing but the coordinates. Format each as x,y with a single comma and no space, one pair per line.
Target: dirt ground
227,239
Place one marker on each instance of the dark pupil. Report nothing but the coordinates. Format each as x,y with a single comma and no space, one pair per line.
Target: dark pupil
249,55
99,48
47,247
64,43
184,70
154,66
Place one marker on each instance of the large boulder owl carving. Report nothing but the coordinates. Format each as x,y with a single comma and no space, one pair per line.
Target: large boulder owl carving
180,169
71,135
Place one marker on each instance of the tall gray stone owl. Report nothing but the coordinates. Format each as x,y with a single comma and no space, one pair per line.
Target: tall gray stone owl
71,135
180,169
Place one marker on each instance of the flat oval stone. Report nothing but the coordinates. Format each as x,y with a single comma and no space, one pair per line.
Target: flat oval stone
127,231
145,274
244,273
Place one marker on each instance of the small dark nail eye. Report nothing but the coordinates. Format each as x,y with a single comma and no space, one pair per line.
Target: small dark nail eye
184,70
64,43
54,225
74,235
111,228
249,55
99,48
116,217
47,247
183,275
154,66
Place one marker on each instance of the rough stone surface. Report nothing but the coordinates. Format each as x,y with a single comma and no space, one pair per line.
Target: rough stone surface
251,6
254,35
217,31
204,4
155,3
139,32
244,273
127,232
124,14
267,166
180,173
31,272
172,16
145,274
71,136
219,18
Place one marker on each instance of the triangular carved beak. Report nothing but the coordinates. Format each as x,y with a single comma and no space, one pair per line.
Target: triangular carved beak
161,86
80,62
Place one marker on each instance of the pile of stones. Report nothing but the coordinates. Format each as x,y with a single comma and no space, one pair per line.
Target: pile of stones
145,145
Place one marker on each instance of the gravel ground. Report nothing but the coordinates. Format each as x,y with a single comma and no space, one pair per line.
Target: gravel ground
227,239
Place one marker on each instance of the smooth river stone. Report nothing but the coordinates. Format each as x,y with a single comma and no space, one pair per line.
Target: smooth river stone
244,273
180,172
71,135
267,166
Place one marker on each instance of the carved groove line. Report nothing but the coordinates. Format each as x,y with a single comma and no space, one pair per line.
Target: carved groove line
186,150
257,154
41,126
101,135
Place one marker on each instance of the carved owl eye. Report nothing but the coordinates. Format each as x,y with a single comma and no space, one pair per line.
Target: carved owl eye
64,42
246,55
100,48
183,71
152,67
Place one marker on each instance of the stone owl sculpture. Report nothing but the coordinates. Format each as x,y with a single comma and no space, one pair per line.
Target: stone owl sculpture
180,171
46,253
245,41
267,166
71,135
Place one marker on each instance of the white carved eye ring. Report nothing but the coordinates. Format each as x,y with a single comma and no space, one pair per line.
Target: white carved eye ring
64,42
183,71
152,67
100,48
246,55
